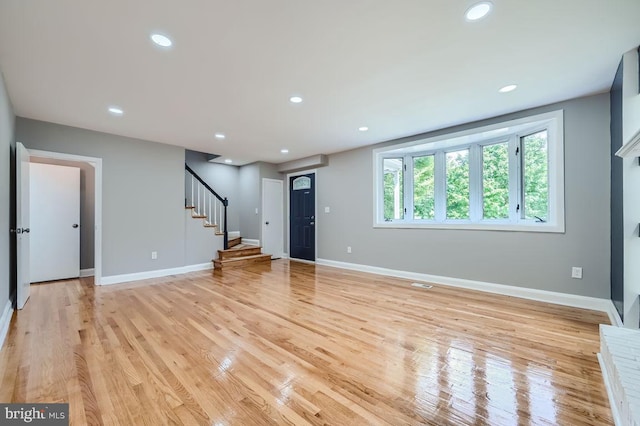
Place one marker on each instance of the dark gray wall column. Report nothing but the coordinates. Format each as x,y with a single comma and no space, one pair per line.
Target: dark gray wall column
617,206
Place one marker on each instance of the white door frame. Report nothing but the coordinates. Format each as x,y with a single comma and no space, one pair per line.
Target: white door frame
281,218
96,163
288,212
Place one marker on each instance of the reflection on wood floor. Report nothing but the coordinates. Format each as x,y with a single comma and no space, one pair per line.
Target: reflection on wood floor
301,344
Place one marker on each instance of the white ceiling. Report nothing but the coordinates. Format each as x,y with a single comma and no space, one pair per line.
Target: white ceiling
399,67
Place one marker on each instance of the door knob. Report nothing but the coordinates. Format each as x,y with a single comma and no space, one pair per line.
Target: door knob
266,223
75,225
312,223
25,230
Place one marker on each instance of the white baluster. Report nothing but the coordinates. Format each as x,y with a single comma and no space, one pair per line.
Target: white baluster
191,200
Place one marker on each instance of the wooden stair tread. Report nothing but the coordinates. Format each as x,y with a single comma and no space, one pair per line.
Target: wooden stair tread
236,262
199,216
241,250
234,241
241,258
240,247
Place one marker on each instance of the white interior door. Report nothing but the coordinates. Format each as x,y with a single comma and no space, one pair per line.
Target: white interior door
55,222
22,219
272,217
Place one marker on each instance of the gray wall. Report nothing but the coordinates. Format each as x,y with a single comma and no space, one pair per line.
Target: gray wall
631,190
142,198
525,259
221,178
249,192
250,188
87,207
7,146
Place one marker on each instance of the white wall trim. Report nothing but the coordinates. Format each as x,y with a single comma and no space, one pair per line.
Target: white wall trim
250,242
5,321
97,218
158,273
89,272
593,303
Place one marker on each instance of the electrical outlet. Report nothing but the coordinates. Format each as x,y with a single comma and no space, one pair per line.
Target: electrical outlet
154,255
576,272
349,249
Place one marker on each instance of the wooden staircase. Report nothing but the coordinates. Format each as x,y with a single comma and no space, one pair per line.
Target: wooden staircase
205,223
239,255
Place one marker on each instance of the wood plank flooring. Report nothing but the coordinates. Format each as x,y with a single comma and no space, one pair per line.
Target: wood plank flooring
301,344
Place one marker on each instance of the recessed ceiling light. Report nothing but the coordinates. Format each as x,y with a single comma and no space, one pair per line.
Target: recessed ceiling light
284,151
161,40
363,128
219,136
295,99
114,110
228,161
478,11
508,88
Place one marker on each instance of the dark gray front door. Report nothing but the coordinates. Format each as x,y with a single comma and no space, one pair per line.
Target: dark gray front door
302,196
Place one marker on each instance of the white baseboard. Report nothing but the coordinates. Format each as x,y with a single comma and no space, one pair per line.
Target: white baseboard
250,242
117,279
615,413
87,272
593,303
5,320
614,316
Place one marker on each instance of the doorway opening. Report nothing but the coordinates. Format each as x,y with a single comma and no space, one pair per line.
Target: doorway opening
93,185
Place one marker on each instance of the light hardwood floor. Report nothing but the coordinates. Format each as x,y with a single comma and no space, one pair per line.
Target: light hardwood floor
301,344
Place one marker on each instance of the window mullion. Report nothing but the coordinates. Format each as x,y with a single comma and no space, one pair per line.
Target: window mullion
440,187
515,179
408,187
475,183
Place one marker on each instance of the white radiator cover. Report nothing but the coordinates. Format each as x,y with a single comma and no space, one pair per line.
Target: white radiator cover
620,361
631,148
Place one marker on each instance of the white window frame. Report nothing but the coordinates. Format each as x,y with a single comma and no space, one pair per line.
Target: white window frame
474,139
